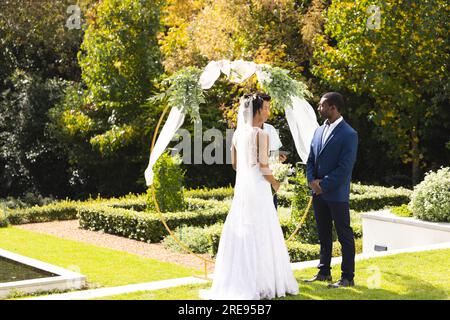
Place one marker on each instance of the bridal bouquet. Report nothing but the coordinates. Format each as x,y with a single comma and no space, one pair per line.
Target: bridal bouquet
280,170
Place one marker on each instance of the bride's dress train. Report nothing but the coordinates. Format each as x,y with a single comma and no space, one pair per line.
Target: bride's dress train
252,260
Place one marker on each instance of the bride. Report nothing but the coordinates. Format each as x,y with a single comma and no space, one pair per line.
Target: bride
252,260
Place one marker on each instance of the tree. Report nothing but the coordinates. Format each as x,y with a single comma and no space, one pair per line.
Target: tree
402,66
37,55
197,31
32,159
106,122
34,37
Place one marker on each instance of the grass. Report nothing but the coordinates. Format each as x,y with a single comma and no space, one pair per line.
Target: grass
411,276
103,267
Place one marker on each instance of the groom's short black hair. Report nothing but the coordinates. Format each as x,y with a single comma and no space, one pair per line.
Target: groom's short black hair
336,99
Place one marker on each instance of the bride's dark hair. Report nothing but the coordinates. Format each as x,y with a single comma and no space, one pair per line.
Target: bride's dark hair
258,100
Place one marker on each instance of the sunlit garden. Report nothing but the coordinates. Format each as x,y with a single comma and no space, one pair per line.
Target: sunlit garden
117,120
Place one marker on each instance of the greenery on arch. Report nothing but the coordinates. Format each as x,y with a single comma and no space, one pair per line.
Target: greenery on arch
184,90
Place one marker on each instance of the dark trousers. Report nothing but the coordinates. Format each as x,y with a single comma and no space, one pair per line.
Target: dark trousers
275,201
326,212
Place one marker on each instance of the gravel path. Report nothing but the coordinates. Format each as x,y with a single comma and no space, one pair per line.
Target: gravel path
70,230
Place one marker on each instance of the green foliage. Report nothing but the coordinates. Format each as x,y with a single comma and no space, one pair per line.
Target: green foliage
168,183
136,202
398,66
206,240
98,168
104,120
31,157
63,210
299,202
280,86
120,63
430,200
402,211
211,193
184,92
4,222
35,38
363,198
195,238
27,200
113,139
120,56
143,226
368,198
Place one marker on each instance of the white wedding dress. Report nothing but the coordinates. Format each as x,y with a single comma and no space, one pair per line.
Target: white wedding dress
252,261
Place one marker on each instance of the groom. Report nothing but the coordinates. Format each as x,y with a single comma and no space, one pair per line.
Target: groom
329,169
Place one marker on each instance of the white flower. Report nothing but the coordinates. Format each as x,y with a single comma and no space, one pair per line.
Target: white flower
280,170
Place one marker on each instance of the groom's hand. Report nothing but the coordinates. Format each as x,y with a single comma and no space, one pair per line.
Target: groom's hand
282,157
314,185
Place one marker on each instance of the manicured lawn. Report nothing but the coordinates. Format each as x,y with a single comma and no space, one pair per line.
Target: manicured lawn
102,266
422,275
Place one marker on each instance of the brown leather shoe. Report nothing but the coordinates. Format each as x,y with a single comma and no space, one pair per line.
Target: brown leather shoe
319,277
342,283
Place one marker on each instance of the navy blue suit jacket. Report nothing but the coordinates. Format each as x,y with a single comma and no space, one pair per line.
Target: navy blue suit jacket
333,163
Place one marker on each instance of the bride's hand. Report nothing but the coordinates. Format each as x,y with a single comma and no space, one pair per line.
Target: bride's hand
276,186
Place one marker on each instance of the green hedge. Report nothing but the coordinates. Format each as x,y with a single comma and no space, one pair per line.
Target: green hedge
284,198
303,252
137,202
430,200
63,210
206,240
402,211
362,197
214,193
4,222
145,226
368,198
195,238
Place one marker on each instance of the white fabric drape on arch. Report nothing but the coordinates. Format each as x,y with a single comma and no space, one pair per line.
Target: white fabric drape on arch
174,122
301,118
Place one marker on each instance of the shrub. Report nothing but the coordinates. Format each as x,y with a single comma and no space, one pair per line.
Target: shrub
368,198
402,211
193,204
213,193
195,238
206,240
28,200
143,226
284,197
4,222
362,197
302,194
168,184
64,210
430,200
137,202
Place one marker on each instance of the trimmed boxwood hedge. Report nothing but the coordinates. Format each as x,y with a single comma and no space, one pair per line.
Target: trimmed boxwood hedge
206,240
207,193
63,210
362,197
145,226
4,222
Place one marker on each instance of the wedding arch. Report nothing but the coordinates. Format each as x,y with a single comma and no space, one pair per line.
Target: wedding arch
185,94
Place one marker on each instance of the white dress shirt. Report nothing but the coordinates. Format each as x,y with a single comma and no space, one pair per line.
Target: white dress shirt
329,129
274,139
